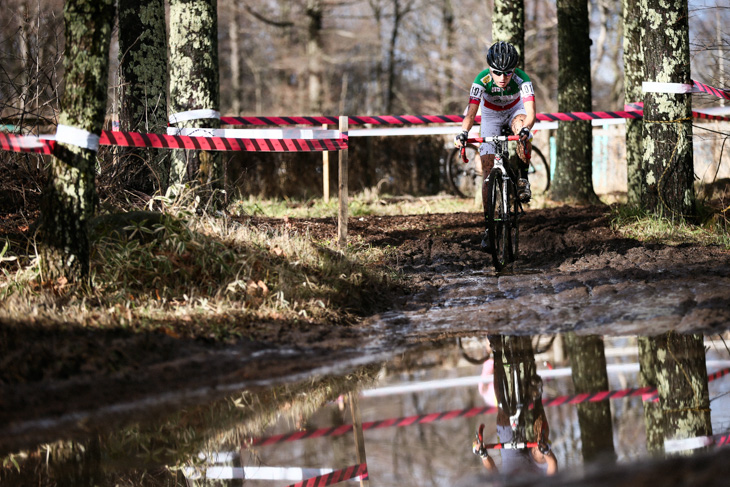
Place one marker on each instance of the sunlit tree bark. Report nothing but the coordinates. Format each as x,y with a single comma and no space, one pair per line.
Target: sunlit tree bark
143,91
633,76
667,127
448,102
315,61
401,8
508,24
194,84
573,171
588,365
69,199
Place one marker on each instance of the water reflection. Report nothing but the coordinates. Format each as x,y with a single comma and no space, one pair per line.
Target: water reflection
419,413
522,428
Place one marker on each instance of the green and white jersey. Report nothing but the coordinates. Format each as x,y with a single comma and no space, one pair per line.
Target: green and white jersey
485,90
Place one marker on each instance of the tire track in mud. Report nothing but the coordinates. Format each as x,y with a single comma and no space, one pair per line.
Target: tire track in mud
574,274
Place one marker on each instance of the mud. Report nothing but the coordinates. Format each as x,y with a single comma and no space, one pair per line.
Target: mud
573,274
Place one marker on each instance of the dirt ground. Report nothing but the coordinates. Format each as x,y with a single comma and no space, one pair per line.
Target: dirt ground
573,273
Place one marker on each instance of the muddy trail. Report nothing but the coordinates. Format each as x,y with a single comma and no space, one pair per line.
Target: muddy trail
573,274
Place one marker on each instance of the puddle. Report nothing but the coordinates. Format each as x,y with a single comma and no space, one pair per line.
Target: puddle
419,413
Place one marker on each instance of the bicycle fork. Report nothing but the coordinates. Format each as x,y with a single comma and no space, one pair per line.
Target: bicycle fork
499,163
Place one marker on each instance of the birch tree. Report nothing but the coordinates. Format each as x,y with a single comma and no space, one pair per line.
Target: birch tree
143,91
633,77
573,171
508,24
667,126
194,84
69,200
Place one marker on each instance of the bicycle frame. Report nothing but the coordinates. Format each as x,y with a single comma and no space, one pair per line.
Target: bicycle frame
500,156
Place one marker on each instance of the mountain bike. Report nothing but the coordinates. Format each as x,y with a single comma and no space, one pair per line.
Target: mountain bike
462,177
518,388
502,206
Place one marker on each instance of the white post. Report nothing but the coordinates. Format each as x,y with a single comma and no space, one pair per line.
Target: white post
325,173
342,215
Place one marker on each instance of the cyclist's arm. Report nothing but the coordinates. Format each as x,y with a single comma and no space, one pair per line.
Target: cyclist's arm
489,464
471,114
531,113
552,464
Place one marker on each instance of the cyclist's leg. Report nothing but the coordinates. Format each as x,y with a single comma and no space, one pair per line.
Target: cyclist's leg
523,185
517,123
491,125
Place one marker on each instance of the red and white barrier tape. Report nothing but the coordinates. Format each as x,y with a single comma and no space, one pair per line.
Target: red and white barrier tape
353,472
646,393
26,143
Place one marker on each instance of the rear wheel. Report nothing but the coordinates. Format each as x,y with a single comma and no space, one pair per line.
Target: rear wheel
500,234
539,171
463,177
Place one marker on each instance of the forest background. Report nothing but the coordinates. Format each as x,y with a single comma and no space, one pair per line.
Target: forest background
350,57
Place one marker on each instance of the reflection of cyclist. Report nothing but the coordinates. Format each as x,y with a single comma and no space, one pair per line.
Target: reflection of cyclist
513,411
506,97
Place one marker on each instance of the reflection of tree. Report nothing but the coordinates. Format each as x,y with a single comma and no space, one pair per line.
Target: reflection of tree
682,386
652,412
588,364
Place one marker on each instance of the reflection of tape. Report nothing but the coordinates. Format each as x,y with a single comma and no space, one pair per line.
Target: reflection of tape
355,471
671,446
656,87
66,134
194,115
644,392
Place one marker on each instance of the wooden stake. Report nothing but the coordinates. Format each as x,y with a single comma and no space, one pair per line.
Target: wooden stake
357,430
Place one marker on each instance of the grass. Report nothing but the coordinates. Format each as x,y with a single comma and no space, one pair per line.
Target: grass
198,270
363,204
639,224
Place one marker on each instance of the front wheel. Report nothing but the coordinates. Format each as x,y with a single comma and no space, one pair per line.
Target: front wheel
498,224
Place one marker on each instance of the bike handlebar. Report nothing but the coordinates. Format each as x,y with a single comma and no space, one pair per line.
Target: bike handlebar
496,138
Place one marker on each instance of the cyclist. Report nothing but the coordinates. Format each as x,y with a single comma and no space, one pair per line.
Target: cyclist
536,460
506,97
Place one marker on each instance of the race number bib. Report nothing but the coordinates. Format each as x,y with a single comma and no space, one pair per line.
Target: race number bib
527,90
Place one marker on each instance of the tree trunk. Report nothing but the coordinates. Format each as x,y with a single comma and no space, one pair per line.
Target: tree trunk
633,77
194,84
573,172
233,26
69,199
314,55
652,411
682,385
143,91
588,364
508,24
667,131
448,104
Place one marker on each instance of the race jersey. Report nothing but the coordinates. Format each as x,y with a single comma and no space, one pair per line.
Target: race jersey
484,89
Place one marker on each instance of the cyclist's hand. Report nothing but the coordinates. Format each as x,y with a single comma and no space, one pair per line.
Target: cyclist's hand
524,134
460,140
479,449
